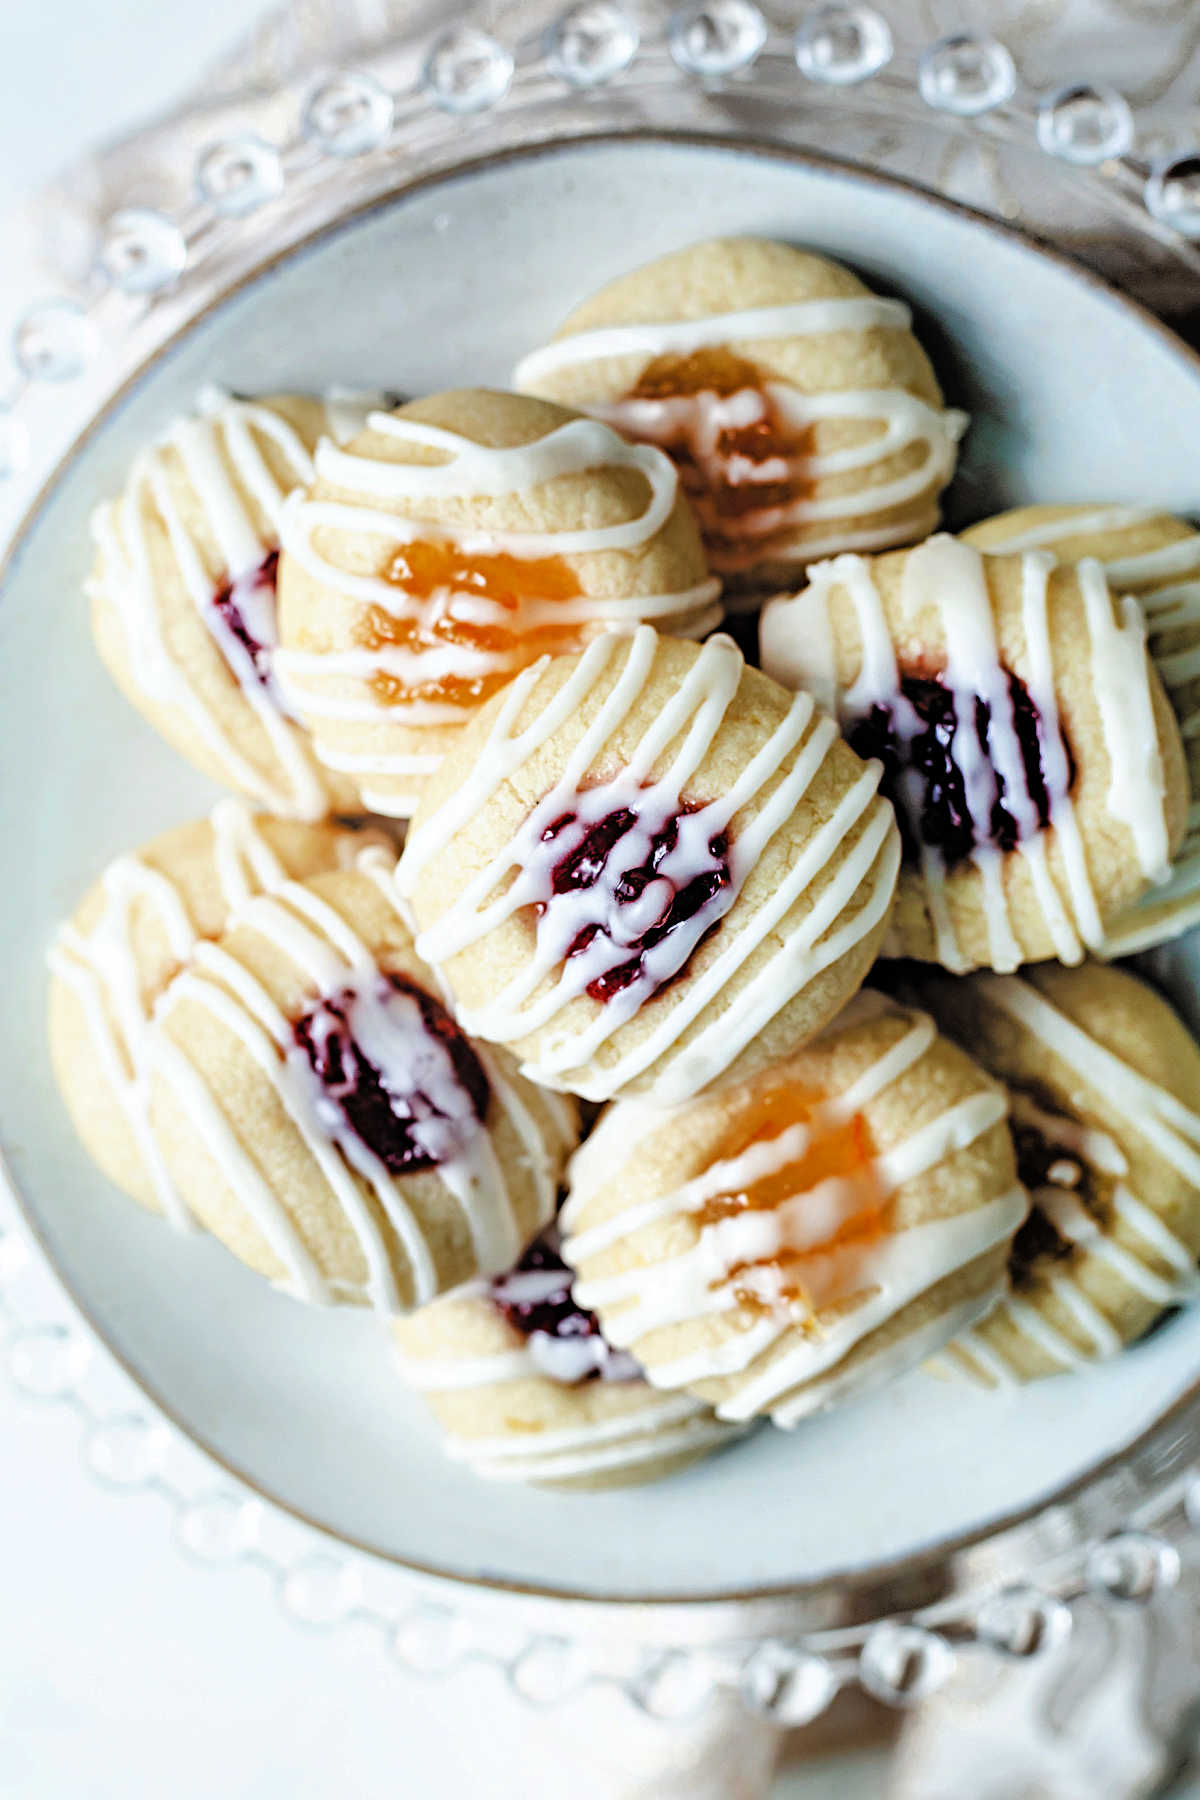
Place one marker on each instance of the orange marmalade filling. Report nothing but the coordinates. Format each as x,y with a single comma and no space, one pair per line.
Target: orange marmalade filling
838,1150
494,604
711,456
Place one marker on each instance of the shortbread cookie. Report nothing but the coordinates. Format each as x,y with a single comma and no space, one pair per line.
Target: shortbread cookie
135,928
182,593
525,1387
790,1241
321,1113
648,866
1105,1094
803,413
1155,557
1036,765
454,542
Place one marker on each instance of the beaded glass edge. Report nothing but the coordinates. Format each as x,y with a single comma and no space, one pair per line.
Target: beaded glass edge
429,1628
350,116
146,255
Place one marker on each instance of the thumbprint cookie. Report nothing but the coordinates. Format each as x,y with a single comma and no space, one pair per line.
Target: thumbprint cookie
803,414
322,1114
790,1241
1036,766
182,593
1156,558
1104,1082
525,1387
132,932
451,544
648,866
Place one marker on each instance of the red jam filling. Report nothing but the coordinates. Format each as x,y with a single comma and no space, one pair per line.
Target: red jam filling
244,612
536,1297
396,1072
924,777
658,880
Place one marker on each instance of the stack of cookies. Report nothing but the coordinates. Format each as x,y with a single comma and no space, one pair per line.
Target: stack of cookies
730,1025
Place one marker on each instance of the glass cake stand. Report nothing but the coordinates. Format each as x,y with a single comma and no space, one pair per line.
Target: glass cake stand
711,102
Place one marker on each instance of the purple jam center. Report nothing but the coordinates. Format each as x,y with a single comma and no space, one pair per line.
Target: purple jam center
682,900
537,1300
1038,1241
934,810
244,612
396,1072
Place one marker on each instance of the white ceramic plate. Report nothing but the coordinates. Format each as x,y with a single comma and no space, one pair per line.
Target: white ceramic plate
1074,395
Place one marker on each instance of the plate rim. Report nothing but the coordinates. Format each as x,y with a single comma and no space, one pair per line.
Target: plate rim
915,1572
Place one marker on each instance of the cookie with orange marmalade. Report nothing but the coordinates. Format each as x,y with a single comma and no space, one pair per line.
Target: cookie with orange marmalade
648,868
790,1241
451,544
803,414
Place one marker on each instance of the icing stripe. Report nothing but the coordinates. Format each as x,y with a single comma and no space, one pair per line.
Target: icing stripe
886,1365
1166,583
102,971
681,337
699,424
227,432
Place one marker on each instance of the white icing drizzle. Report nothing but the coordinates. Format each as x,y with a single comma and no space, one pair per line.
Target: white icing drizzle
798,649
678,1426
700,423
329,953
536,998
1157,1115
683,1427
1144,1107
468,470
1137,786
650,1428
736,1255
1166,584
880,1366
682,337
697,423
101,967
227,432
1079,523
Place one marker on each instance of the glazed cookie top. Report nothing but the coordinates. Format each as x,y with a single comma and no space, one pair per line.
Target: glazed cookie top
1155,557
1037,770
183,589
324,1115
453,542
803,413
745,1245
527,1389
1104,1081
134,929
644,863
